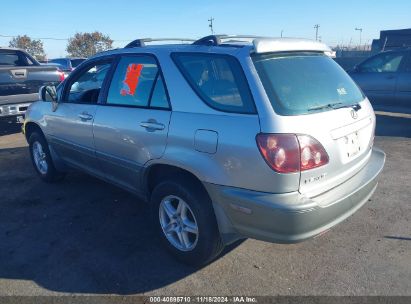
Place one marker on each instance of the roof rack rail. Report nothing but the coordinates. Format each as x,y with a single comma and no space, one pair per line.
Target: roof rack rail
142,41
213,40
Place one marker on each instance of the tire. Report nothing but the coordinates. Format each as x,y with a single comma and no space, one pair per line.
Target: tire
204,246
41,159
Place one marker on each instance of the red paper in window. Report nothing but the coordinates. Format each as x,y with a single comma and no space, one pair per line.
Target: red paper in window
130,81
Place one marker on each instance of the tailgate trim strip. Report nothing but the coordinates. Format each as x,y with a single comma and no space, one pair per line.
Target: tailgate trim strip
349,129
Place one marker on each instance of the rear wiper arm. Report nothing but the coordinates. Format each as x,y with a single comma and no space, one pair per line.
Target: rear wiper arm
355,106
327,106
336,105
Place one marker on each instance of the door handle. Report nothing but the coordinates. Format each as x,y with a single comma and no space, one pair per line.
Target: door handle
85,116
390,77
152,125
22,73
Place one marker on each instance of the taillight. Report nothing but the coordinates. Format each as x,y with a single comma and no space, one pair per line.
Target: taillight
280,151
61,75
313,154
289,153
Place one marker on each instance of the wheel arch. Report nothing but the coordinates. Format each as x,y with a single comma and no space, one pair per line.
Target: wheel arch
30,127
160,171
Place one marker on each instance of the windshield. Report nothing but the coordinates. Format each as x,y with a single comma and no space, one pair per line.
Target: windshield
303,82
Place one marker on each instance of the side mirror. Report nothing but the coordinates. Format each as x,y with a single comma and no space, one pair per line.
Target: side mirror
48,93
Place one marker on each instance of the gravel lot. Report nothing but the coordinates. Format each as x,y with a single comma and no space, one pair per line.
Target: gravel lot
84,236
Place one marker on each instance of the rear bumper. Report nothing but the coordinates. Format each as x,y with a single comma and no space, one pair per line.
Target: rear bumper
292,217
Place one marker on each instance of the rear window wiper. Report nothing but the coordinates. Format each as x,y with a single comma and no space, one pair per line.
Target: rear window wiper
355,106
327,106
336,105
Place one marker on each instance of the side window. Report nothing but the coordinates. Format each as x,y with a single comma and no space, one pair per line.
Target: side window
383,63
85,88
159,97
218,79
137,82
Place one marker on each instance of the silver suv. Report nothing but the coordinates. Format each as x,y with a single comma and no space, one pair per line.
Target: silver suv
229,137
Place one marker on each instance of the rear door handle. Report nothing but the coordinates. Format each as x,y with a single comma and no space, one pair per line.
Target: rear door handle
152,125
85,116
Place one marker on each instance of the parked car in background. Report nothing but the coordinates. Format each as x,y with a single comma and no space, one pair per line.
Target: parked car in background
227,139
67,64
21,77
385,79
59,67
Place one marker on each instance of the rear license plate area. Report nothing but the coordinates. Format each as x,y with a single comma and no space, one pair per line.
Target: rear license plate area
352,145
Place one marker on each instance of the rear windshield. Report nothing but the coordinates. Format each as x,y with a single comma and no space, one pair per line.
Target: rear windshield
302,83
9,59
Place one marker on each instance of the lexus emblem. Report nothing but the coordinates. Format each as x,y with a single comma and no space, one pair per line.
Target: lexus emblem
354,114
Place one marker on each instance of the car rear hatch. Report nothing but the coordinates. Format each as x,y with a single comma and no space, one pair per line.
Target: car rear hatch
346,140
311,95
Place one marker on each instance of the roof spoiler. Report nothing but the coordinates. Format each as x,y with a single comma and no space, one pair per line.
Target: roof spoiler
266,44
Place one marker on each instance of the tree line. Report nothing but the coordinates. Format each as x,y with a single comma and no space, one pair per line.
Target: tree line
80,45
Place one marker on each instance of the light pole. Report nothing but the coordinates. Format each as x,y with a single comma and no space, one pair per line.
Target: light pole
211,25
317,26
360,30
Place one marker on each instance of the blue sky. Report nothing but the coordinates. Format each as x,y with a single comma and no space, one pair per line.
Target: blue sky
128,19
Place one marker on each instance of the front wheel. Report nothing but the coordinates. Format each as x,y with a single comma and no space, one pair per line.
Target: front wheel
184,218
41,159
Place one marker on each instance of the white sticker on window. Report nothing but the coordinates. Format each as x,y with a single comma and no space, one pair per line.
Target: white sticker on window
342,91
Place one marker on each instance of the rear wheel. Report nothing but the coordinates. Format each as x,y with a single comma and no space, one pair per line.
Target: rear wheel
185,222
41,159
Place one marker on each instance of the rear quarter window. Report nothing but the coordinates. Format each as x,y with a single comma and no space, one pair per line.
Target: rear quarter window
218,79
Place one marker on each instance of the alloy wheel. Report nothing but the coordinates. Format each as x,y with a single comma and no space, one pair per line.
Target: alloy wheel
178,223
40,157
